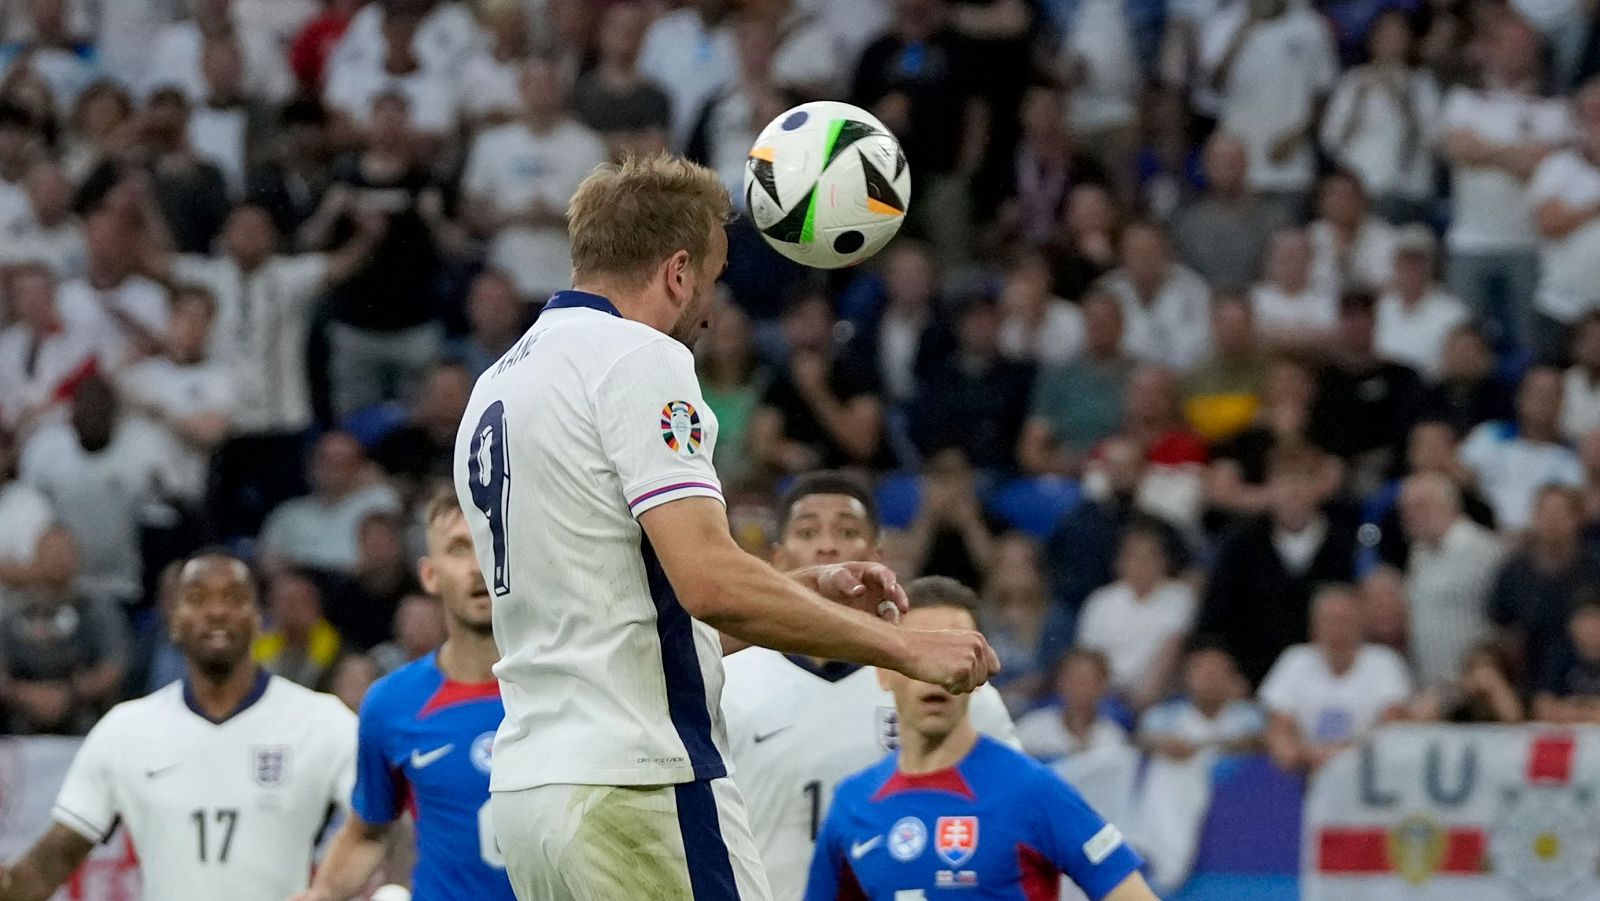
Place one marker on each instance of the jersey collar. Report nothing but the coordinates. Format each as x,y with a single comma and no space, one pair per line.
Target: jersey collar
566,300
257,689
832,671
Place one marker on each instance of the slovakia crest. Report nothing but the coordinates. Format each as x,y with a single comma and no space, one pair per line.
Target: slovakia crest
680,427
956,839
269,765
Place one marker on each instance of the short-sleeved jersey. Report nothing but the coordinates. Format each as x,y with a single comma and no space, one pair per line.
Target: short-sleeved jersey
796,730
226,809
589,421
996,826
426,743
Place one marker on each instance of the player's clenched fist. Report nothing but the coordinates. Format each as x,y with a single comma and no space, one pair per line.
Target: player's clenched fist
955,659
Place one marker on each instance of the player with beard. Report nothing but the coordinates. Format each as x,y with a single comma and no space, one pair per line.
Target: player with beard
223,779
426,734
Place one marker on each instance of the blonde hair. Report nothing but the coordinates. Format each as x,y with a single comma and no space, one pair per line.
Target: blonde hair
627,217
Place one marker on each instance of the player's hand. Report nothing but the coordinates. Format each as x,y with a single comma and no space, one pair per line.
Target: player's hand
869,587
955,659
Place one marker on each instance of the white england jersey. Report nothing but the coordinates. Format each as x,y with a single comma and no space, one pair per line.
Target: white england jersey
795,731
216,810
586,423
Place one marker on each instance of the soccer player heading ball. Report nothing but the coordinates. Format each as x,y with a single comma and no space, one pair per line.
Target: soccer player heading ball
584,462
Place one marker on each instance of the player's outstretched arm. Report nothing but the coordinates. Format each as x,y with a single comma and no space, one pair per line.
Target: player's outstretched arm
721,585
1134,888
353,856
37,874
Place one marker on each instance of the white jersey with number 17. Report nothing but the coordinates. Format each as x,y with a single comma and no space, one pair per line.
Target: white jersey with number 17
589,421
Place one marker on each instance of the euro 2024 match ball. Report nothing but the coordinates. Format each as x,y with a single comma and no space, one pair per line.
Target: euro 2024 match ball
827,184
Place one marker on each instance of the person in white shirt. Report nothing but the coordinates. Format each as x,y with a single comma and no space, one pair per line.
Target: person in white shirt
185,393
174,58
444,40
431,97
1351,248
1166,306
49,233
223,779
1494,137
1416,315
1381,121
727,126
124,312
519,178
1565,191
797,725
585,465
27,515
1450,573
1291,309
911,289
1076,724
41,358
1513,460
320,530
1037,327
488,84
1325,696
1141,620
690,54
1580,401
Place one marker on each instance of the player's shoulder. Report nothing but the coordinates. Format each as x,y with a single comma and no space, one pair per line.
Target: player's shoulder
405,689
150,712
994,759
291,697
861,786
749,664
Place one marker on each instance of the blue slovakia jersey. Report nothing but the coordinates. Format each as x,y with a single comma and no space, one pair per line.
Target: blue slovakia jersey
996,826
425,744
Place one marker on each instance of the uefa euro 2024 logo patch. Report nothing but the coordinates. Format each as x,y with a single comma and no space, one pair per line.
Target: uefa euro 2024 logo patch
680,427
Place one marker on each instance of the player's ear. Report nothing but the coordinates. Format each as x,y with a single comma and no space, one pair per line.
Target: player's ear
428,576
679,270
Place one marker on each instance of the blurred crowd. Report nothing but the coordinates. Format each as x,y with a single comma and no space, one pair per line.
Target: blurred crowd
1245,353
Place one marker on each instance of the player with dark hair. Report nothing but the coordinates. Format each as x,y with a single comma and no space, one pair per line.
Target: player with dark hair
955,810
427,730
797,725
224,779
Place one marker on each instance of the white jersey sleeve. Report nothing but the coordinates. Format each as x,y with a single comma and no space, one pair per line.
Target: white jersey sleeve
990,716
87,803
648,408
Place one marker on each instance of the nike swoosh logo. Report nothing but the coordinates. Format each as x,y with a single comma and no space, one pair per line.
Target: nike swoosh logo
859,850
420,760
761,738
158,771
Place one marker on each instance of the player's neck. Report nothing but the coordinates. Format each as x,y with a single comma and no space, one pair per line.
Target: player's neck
631,303
920,754
220,697
468,657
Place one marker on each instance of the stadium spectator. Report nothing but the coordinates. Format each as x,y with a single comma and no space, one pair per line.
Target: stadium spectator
824,409
27,514
1084,246
1569,689
496,318
52,53
1166,306
299,644
899,337
1222,394
1381,120
974,399
41,358
1014,605
1212,715
1225,234
313,45
487,86
418,630
351,676
190,192
1494,137
1292,310
1258,601
62,653
19,145
292,168
699,31
1451,570
1141,620
1077,405
726,129
362,605
1324,696
99,472
614,98
49,233
1416,315
123,312
444,36
320,529
1351,248
227,127
1469,391
519,178
1038,327
1539,585
1365,404
732,381
1076,723
1432,447
1482,693
95,130
1173,483
1050,170
1580,394
950,535
1565,193
1513,461
1236,477
356,89
420,449
175,58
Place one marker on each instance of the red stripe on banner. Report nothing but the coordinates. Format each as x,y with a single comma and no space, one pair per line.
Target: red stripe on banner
1550,758
1365,851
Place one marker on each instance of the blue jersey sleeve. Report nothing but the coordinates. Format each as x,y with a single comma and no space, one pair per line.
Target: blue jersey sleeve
380,789
1078,840
831,878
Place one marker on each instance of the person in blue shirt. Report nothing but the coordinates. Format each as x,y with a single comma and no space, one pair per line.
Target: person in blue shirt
955,814
427,730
